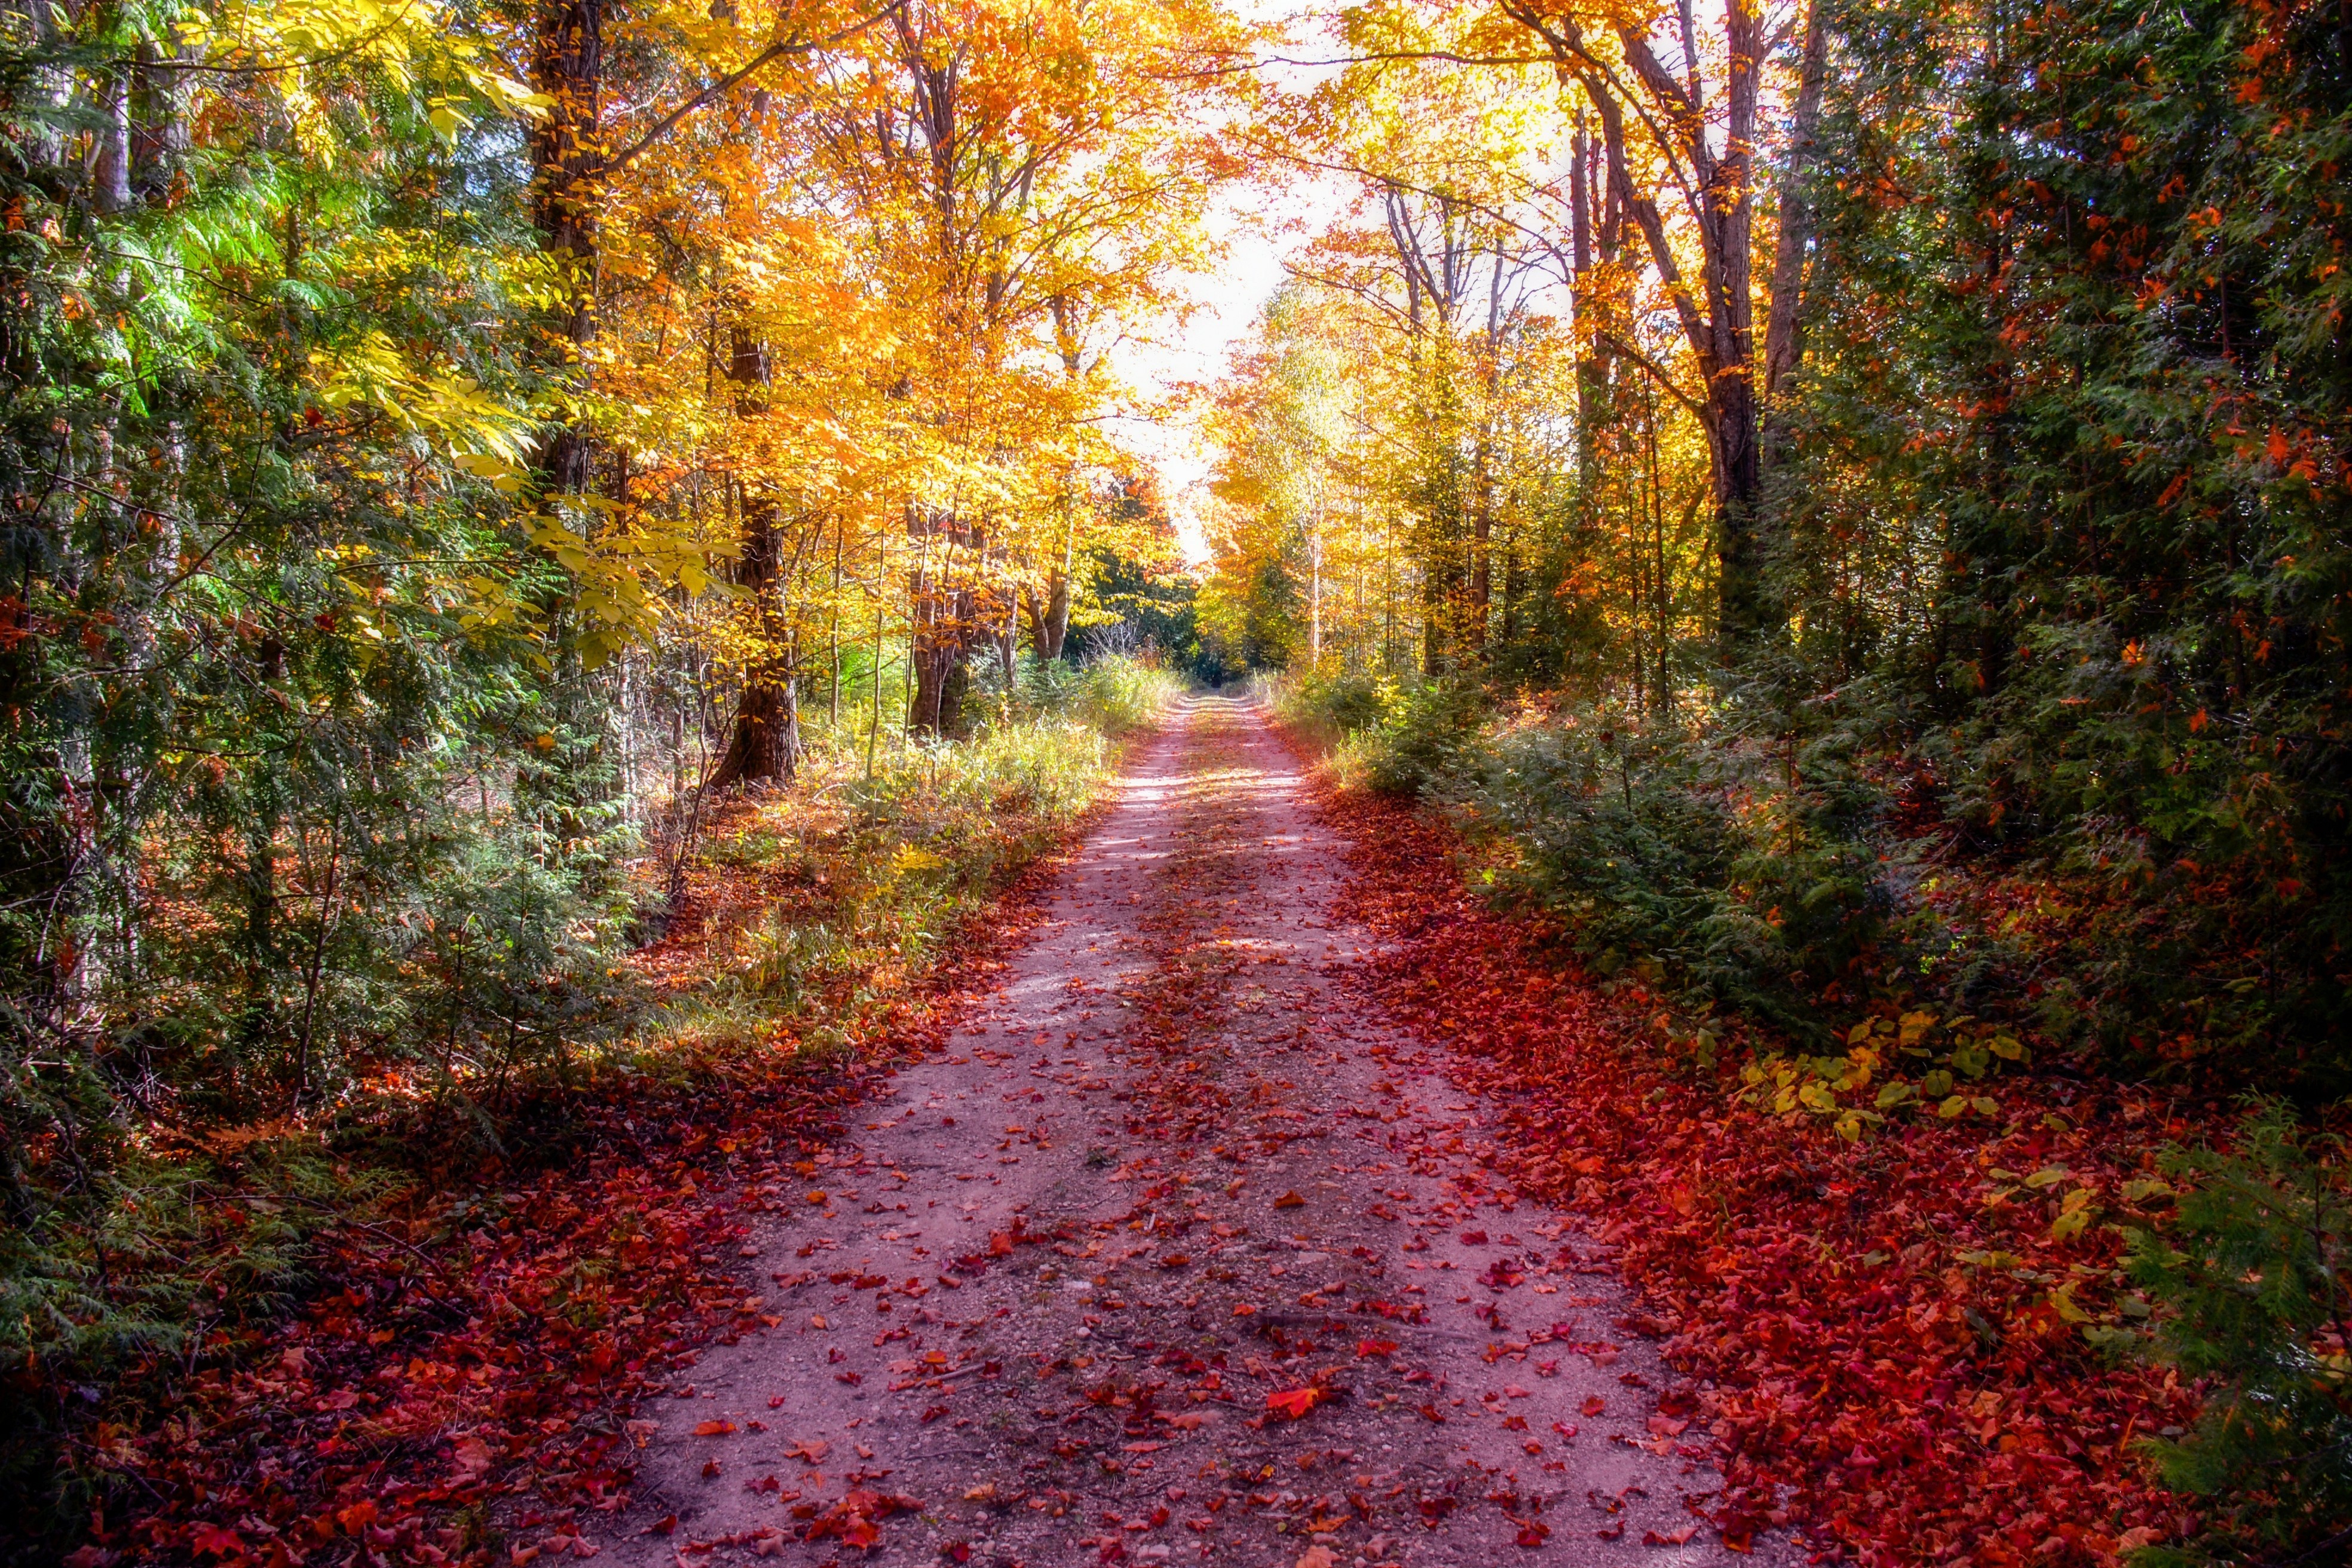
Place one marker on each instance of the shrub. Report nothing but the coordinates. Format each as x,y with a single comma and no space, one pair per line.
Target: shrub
2253,1278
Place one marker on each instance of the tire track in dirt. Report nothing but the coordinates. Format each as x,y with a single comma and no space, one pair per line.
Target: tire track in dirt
1179,1252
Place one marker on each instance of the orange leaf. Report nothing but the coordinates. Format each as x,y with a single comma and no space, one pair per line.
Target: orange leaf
713,1428
1293,1403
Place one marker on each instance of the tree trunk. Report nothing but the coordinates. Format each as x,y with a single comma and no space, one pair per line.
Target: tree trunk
567,65
1782,343
1717,317
766,745
942,617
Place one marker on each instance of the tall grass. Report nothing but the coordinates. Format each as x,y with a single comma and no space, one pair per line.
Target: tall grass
888,854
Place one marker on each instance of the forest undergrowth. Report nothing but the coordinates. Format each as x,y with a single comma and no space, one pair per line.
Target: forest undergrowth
419,1324
2077,1316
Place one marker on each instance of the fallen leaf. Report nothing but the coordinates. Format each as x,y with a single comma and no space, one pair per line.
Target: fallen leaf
1290,1201
472,1456
1593,1406
1669,1537
713,1428
1293,1403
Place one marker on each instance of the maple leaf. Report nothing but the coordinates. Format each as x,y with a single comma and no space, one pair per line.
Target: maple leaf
1593,1406
1293,1403
718,1428
208,1540
1669,1537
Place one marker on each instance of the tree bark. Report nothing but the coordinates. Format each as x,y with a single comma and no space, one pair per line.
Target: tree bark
765,747
567,65
1782,341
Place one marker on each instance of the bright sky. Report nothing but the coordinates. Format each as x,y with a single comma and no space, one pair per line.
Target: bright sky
1260,228
1227,303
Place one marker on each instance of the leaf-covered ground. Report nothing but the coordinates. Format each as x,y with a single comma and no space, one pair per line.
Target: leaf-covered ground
1889,1331
1276,1202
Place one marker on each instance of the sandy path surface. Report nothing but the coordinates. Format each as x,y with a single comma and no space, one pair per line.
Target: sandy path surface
1179,1252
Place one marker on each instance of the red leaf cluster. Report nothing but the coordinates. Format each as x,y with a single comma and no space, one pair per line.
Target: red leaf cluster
1884,1335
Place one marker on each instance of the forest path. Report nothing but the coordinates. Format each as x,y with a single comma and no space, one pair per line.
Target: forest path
1047,1307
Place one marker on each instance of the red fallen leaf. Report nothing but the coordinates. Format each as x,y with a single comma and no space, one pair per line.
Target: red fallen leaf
710,1469
1593,1406
1290,1200
1474,1238
472,1456
1000,1245
1534,1533
1610,1533
720,1428
775,1402
1666,1426
1670,1537
1174,1260
661,1526
216,1541
1376,1347
1564,1430
813,1450
1293,1403
1431,1412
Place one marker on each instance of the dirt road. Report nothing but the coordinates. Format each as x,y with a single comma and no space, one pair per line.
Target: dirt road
1177,1253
